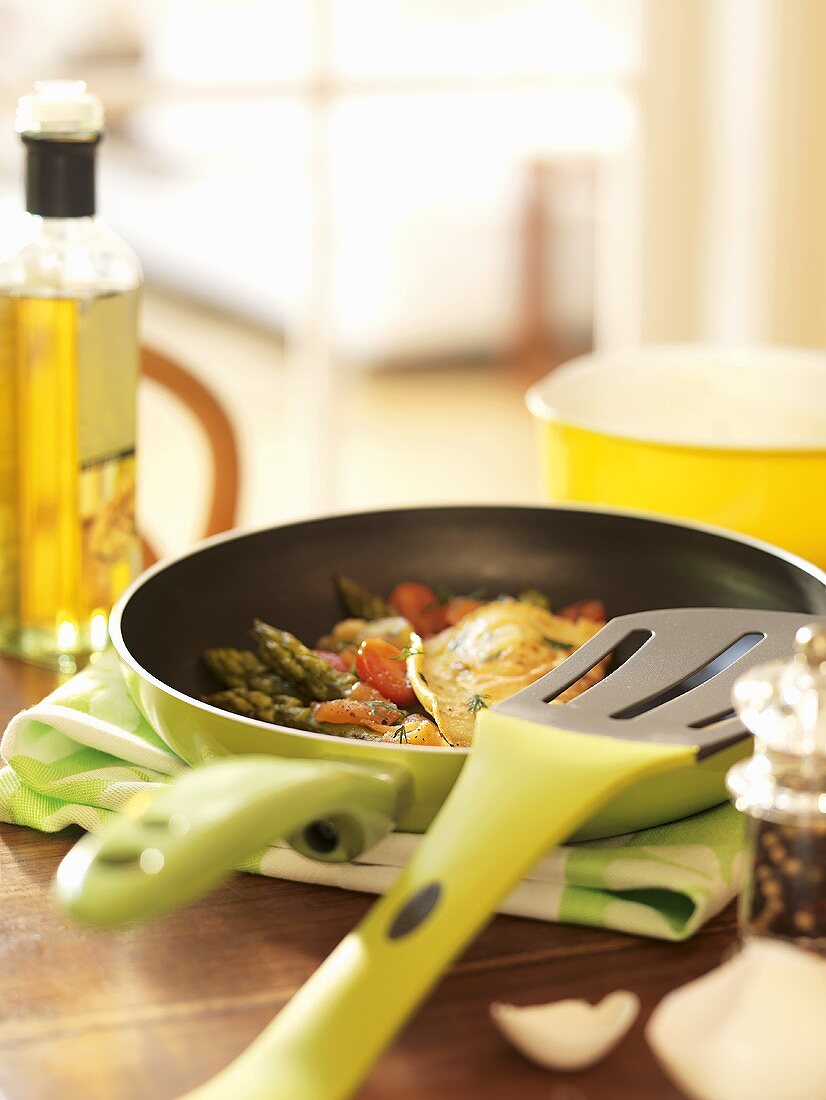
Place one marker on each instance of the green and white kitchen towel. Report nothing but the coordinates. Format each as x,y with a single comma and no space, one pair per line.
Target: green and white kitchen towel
81,754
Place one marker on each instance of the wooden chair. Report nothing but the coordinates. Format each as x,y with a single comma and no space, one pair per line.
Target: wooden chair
540,343
219,433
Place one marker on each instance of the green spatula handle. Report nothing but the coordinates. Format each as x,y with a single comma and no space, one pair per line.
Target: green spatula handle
173,845
525,787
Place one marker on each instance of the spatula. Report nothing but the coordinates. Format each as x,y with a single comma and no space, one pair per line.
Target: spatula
535,773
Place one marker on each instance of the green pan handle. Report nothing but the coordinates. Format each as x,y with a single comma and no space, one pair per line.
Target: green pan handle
170,847
524,788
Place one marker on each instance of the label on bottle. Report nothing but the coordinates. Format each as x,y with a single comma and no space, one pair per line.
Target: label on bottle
107,379
9,521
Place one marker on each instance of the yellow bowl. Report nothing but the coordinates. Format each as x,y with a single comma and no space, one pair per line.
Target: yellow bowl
730,436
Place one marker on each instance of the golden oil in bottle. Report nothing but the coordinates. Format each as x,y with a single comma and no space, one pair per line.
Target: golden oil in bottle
68,545
68,373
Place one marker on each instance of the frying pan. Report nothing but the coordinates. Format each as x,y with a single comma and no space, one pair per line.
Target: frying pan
211,596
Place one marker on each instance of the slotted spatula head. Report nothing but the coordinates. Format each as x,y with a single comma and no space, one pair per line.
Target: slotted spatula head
673,676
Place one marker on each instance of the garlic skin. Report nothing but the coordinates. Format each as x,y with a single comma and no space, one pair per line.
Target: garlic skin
567,1035
750,1030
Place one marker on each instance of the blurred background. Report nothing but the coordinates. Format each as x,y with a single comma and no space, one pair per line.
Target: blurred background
367,225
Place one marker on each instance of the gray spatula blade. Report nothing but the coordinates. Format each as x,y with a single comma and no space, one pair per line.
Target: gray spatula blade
675,687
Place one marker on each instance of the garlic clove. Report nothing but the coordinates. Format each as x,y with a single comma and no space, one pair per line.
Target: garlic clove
567,1035
750,1030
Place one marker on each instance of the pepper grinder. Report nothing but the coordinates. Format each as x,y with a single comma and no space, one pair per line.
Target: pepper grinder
782,790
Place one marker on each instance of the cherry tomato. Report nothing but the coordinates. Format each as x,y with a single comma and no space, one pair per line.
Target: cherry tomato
458,607
381,665
584,609
419,604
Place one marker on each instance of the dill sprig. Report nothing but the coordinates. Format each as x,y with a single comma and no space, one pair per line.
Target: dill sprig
383,711
477,702
557,644
408,651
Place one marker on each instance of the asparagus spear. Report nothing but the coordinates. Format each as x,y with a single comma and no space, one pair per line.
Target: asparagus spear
241,668
358,602
257,704
233,666
312,676
283,710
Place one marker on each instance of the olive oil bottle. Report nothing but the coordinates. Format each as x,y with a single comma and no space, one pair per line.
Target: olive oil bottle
68,371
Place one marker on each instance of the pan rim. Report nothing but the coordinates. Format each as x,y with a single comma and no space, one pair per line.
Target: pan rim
238,533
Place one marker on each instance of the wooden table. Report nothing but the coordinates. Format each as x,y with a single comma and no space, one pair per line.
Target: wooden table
145,1015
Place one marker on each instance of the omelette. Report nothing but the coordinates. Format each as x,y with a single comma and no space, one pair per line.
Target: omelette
489,655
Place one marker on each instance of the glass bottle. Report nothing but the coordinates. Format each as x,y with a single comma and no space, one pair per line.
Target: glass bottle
69,299
782,789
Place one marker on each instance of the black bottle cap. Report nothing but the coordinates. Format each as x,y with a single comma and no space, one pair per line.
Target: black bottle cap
60,175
